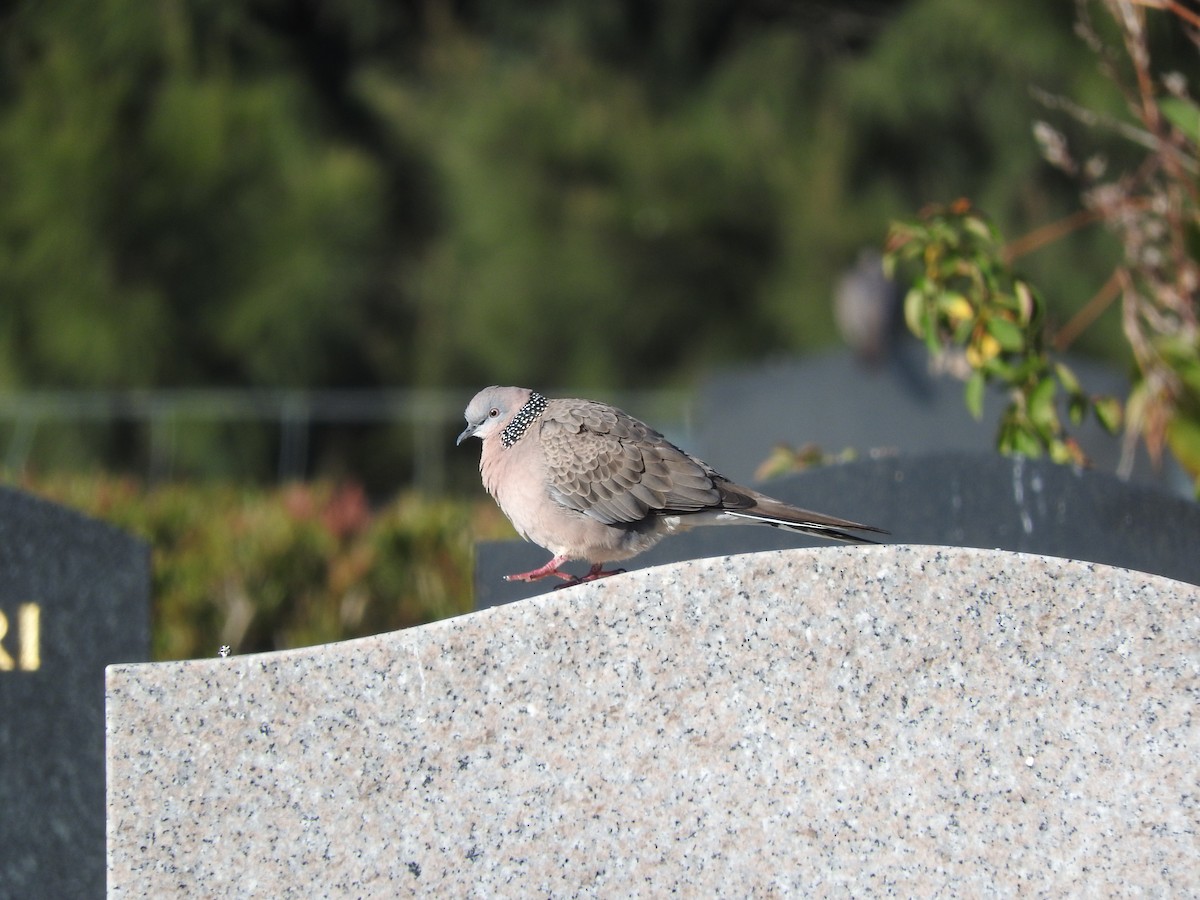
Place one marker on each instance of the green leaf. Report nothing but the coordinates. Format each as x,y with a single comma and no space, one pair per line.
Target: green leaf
889,266
1030,367
973,394
1041,406
1026,443
1059,451
1189,373
1178,351
1007,333
1004,440
979,227
999,369
933,342
1026,304
914,309
955,306
1069,382
1184,115
1108,411
1077,408
962,333
1183,434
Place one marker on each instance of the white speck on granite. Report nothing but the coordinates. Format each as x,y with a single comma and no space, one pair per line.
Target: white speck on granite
894,720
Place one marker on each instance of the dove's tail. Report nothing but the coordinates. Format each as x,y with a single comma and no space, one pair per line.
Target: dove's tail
835,532
763,510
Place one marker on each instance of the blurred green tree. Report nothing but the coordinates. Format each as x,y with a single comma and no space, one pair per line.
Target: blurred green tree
179,211
376,192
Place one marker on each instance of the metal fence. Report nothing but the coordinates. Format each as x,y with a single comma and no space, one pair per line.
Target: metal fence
427,414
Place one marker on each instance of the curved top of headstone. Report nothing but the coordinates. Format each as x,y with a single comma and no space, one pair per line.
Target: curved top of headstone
980,500
920,719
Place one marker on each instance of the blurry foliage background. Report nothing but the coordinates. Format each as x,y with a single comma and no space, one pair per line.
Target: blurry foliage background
378,193
261,569
373,192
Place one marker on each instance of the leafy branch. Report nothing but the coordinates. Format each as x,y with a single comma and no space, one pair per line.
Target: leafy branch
965,298
965,294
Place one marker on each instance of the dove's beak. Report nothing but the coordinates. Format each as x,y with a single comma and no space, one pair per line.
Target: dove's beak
467,432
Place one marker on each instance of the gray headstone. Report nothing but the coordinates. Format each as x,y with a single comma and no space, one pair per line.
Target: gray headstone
74,596
957,499
834,400
846,721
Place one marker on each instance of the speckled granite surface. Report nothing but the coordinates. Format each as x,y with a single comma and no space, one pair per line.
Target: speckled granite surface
905,720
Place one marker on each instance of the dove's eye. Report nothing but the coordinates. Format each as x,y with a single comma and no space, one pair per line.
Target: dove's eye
493,412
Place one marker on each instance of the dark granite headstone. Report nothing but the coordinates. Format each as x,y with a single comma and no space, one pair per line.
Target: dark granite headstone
74,597
955,499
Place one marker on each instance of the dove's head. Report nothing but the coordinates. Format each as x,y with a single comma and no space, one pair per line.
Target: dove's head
493,408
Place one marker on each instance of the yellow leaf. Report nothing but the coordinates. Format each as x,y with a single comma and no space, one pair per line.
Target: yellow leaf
957,308
983,350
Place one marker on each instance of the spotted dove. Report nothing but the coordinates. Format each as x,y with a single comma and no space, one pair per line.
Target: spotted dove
589,482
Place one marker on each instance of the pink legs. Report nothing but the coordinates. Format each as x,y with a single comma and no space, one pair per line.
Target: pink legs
551,568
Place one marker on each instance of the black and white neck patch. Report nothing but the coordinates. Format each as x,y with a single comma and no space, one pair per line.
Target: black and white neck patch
534,407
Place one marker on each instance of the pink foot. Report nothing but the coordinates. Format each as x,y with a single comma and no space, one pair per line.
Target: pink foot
596,571
551,568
